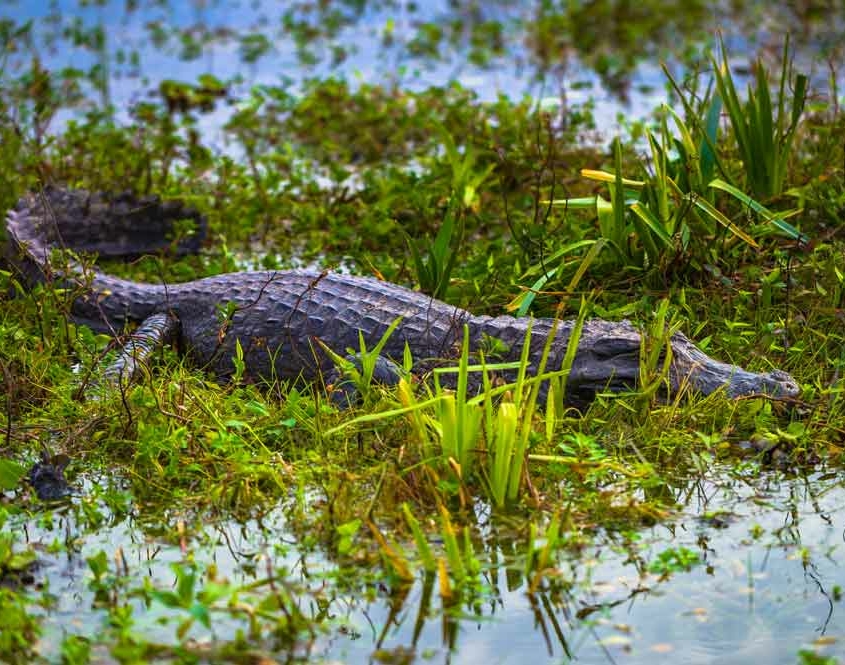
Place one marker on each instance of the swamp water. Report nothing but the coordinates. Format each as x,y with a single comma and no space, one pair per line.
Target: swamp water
764,582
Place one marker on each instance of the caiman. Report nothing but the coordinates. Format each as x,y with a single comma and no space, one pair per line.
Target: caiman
277,316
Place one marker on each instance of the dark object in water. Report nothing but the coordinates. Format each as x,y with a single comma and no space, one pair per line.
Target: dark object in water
47,478
275,316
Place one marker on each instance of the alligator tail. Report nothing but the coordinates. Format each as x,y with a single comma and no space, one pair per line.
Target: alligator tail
106,225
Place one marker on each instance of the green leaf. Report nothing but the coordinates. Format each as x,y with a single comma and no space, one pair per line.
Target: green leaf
692,157
200,613
604,176
652,223
10,473
776,219
708,208
257,408
20,560
167,598
186,578
708,141
349,528
617,190
214,591
98,564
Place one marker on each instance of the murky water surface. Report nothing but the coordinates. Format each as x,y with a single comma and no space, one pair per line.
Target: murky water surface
768,584
610,58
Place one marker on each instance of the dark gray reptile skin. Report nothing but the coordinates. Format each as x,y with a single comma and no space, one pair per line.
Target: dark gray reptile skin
277,314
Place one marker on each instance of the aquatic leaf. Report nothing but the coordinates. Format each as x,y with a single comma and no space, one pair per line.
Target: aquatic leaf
98,564
443,579
183,628
167,598
450,544
394,557
200,612
428,561
213,591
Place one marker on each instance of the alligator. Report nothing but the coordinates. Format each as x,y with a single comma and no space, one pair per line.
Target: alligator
277,317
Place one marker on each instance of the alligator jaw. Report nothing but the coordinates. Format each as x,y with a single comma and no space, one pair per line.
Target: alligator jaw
693,368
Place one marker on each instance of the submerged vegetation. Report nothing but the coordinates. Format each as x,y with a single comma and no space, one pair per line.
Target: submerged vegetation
252,521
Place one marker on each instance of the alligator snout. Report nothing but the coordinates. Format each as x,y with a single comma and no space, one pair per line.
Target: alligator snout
778,383
773,384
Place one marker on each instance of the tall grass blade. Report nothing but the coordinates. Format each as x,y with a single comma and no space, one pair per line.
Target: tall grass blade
501,456
708,208
764,140
396,560
529,408
618,197
415,416
571,351
658,157
709,132
450,545
707,147
652,224
775,219
429,563
692,162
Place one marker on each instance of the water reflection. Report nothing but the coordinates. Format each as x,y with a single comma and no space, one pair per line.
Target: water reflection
608,51
766,588
768,584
